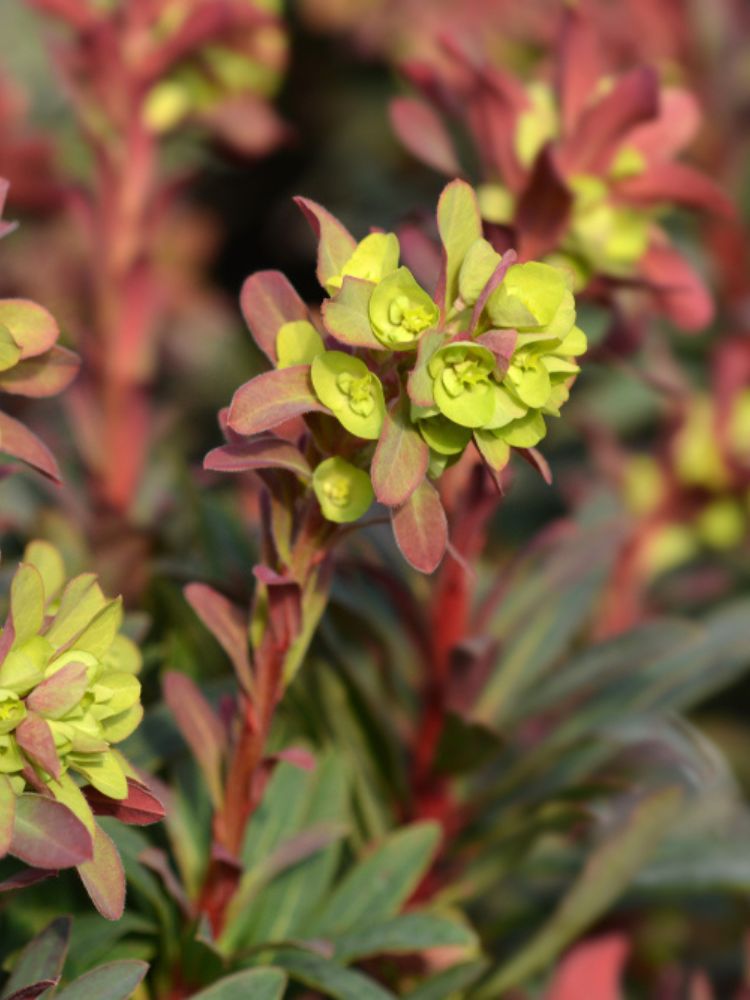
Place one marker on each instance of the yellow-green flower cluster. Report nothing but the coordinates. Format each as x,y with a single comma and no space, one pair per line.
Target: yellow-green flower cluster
68,685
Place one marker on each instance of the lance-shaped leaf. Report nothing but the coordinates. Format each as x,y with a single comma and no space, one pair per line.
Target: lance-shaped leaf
41,960
460,225
47,835
104,877
31,326
200,728
35,738
114,981
19,442
268,301
401,458
227,624
330,979
7,814
47,375
605,876
34,990
420,528
676,183
139,808
405,934
27,599
261,453
61,692
679,291
579,65
543,210
250,984
335,243
604,125
27,877
422,131
347,317
272,398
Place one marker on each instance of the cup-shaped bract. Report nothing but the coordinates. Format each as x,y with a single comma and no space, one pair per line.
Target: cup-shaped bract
344,492
351,391
401,311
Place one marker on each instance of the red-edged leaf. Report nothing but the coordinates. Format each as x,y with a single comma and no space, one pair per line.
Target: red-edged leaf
580,65
26,877
284,605
140,808
420,528
5,227
420,254
32,991
604,125
18,441
60,692
7,814
261,453
31,326
47,835
401,458
200,728
35,738
227,623
335,243
247,124
419,384
677,183
104,877
543,211
679,290
268,301
592,969
347,317
537,461
502,343
422,131
46,375
41,961
673,129
269,399
496,278
114,981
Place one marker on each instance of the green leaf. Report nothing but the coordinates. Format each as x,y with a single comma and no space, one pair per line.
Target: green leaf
10,352
420,528
460,225
453,982
379,886
400,461
31,326
42,958
27,602
114,981
200,727
607,873
272,398
7,814
331,979
297,343
347,317
405,934
252,984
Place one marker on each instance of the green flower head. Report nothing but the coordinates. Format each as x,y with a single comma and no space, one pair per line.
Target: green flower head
534,298
374,257
344,492
463,386
400,311
351,391
68,690
611,238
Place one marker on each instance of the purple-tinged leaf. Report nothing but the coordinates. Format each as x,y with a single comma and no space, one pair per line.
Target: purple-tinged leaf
261,453
672,130
62,691
496,278
246,123
335,243
33,991
139,808
605,124
543,211
227,623
420,254
104,877
420,528
502,343
31,326
679,290
41,960
47,835
114,981
347,317
35,738
46,375
272,398
26,877
537,461
297,757
401,458
5,227
284,605
419,384
7,814
677,183
18,441
268,301
158,862
580,66
422,131
200,728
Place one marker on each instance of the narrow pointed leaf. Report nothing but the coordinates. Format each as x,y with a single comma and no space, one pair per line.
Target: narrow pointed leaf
420,528
422,131
104,877
330,979
226,623
114,981
42,958
200,728
252,984
269,399
27,600
335,242
262,453
19,442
